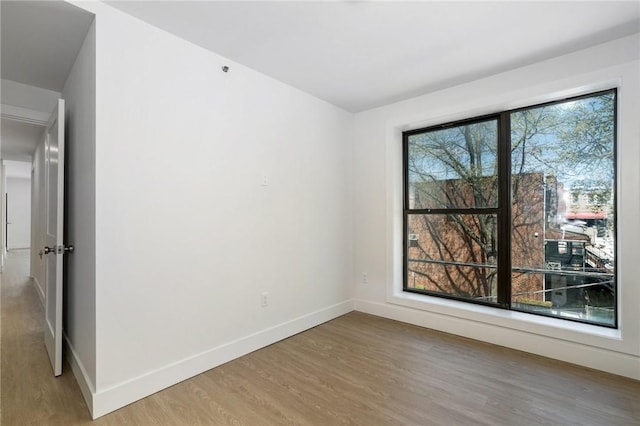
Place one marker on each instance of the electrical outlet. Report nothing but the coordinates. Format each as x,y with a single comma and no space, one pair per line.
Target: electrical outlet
264,180
264,299
365,278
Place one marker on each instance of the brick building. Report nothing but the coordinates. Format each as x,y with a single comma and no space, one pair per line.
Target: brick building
456,254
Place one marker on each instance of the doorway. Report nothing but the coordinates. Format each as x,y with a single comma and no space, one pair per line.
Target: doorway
41,41
18,205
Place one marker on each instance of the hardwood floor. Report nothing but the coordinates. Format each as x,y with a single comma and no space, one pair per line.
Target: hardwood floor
357,369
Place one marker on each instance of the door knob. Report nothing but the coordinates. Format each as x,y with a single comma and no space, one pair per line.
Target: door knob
46,250
60,250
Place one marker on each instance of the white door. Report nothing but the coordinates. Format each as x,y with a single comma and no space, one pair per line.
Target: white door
54,250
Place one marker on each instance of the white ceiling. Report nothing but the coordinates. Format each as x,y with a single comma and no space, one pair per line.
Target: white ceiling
359,54
354,54
40,41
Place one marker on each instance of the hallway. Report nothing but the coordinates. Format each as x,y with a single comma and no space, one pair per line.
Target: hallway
30,393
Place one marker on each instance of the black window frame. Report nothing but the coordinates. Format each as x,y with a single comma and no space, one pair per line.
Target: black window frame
503,209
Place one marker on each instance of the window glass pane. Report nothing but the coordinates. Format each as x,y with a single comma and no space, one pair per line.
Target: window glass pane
454,254
563,294
454,167
563,215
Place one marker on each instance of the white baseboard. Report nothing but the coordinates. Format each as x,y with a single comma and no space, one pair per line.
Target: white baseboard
39,289
115,397
84,382
587,356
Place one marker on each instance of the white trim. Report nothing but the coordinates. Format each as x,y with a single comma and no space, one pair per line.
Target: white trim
39,289
538,324
592,357
114,397
80,373
24,115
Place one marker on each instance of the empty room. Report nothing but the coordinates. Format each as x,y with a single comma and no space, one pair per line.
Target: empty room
320,212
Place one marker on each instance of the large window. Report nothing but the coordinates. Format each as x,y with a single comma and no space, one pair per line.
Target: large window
517,209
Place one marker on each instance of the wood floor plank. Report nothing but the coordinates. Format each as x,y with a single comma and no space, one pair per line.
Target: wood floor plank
355,370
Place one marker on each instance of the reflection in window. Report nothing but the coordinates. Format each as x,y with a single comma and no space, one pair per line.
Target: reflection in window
450,172
456,255
454,167
568,146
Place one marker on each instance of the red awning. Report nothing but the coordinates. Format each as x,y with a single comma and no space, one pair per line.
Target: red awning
586,215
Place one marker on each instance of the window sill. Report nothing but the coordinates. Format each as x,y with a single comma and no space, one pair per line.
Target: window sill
593,335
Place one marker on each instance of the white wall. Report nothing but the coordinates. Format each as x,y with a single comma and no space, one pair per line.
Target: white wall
187,238
30,97
79,94
27,102
378,201
18,169
19,212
